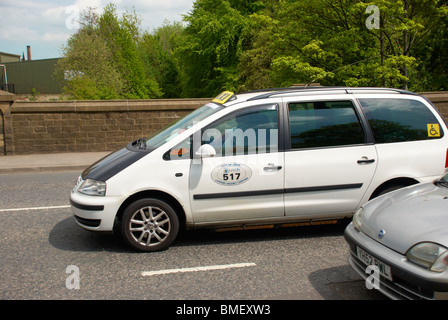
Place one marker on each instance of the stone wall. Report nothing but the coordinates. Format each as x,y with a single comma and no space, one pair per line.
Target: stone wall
440,100
74,126
6,99
30,127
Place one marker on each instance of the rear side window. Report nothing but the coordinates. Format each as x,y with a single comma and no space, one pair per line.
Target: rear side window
324,124
400,120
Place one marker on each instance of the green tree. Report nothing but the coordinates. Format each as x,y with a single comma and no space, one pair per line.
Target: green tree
211,46
405,27
255,61
157,50
322,41
431,73
121,36
250,44
87,65
101,60
328,41
302,41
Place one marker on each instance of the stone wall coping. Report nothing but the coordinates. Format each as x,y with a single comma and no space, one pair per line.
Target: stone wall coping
106,105
6,96
132,105
437,96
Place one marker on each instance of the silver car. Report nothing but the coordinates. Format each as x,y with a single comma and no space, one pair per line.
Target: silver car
402,237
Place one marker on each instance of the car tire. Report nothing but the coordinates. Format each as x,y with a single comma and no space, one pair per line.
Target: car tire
149,225
390,189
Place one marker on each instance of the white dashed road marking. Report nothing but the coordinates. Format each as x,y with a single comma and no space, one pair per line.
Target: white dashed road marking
34,208
196,269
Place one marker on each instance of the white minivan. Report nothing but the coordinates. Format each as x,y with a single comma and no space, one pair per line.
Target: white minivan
279,157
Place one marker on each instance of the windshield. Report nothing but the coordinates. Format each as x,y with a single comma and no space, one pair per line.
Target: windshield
160,138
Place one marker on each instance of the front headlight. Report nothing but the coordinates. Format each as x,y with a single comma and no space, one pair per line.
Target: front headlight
430,255
357,218
93,188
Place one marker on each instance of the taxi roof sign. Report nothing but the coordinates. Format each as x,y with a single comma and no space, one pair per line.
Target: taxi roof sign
223,97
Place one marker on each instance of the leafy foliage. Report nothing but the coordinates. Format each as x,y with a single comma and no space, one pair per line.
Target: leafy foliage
102,60
242,45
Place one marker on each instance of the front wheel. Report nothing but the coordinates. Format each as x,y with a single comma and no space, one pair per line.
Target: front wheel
149,225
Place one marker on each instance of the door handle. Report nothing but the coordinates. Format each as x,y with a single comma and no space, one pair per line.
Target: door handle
365,160
271,166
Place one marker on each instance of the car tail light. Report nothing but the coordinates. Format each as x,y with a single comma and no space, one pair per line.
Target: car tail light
446,159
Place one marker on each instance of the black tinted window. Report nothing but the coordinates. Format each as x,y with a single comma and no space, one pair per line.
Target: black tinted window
399,120
324,124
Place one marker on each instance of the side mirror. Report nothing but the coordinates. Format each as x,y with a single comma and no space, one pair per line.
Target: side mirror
206,151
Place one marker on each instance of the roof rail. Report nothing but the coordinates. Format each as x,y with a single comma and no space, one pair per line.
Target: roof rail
267,93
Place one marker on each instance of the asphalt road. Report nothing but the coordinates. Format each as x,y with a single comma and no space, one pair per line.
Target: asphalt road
45,255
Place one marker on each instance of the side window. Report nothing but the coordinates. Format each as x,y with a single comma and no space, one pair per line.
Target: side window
249,131
181,151
399,120
324,124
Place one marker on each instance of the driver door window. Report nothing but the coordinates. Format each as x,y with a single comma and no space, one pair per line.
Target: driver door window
251,131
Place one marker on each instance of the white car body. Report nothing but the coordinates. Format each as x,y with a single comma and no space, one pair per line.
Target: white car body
281,186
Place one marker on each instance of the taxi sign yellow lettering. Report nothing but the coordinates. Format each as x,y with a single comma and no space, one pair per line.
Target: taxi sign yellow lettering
223,97
433,130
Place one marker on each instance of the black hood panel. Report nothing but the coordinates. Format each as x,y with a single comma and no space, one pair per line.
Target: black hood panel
112,164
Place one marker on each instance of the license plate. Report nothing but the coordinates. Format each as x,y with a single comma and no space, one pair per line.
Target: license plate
368,259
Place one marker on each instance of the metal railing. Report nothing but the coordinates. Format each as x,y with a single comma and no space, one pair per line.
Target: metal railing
9,87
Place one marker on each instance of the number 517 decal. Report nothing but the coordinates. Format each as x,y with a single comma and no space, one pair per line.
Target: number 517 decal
231,174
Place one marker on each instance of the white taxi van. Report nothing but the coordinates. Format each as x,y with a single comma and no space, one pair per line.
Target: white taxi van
280,157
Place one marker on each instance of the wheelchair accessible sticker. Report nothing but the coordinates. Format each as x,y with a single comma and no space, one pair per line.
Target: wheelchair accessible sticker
433,130
231,174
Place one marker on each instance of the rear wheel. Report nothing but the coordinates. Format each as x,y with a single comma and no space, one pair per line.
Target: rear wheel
149,225
388,189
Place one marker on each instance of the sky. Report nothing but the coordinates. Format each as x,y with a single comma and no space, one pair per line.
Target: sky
45,25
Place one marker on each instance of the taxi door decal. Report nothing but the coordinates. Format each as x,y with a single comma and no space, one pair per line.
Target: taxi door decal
231,174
